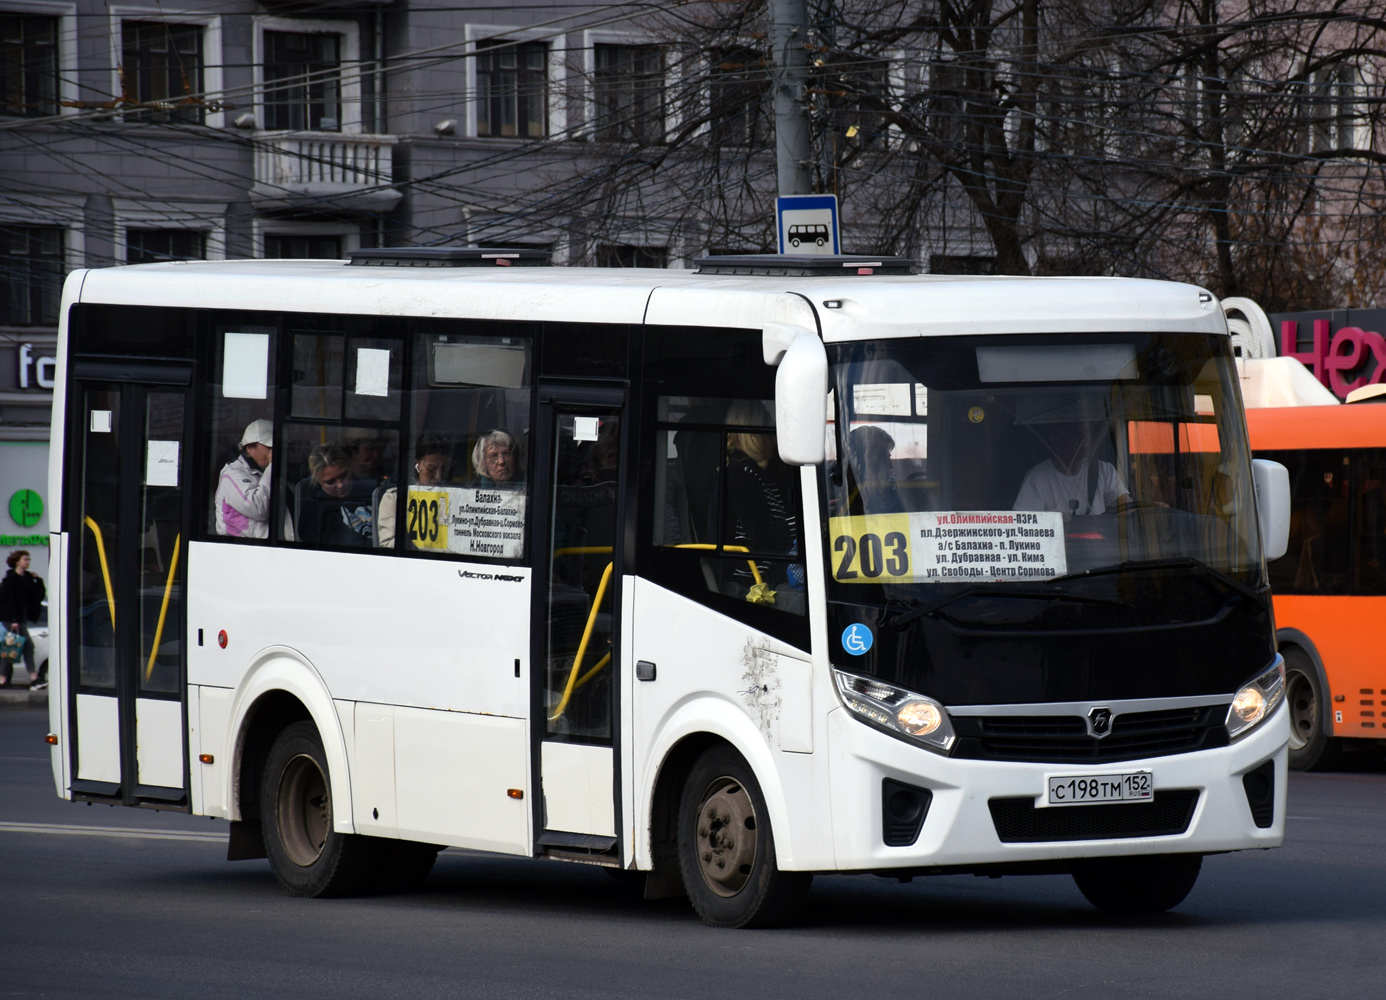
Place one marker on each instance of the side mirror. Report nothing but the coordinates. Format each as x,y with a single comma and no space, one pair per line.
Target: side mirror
1272,482
801,392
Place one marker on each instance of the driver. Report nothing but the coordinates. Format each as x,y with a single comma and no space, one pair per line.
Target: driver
1070,480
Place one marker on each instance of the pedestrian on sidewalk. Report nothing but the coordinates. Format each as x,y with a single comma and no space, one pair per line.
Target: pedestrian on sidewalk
21,601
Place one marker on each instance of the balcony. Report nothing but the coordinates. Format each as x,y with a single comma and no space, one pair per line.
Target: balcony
323,172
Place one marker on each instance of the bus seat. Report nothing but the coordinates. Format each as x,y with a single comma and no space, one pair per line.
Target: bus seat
376,494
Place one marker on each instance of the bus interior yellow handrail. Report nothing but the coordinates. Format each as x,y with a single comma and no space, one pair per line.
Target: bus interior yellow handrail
582,646
105,567
574,680
755,570
163,608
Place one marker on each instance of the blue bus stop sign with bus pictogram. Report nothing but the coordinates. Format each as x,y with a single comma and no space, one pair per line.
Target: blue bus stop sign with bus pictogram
807,224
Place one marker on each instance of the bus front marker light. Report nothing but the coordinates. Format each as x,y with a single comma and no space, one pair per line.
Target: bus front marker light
1256,700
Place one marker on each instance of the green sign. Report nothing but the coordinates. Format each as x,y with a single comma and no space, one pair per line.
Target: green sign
26,507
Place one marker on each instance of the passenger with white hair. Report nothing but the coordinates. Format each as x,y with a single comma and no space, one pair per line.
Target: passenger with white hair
495,459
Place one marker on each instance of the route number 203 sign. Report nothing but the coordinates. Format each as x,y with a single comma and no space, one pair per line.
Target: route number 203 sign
972,546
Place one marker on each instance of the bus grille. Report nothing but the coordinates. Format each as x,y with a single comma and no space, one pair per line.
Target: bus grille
1062,739
1019,822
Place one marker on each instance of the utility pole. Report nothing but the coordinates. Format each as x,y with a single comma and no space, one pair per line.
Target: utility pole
789,59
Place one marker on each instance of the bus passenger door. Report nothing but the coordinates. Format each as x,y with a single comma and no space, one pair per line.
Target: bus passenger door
126,662
577,601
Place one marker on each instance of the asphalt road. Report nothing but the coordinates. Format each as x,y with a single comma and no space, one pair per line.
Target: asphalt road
103,902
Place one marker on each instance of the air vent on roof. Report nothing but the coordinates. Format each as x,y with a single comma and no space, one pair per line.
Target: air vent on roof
450,257
795,265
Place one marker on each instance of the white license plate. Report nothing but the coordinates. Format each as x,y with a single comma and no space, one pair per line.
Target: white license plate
1090,789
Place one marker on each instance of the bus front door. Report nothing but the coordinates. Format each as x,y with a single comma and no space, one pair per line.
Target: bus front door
576,620
127,549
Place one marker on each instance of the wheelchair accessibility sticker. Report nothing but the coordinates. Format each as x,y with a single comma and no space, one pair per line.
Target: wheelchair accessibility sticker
857,639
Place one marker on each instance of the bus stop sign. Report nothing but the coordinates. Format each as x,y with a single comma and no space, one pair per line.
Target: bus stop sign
807,223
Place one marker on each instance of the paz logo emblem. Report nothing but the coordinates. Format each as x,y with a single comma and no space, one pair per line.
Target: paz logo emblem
1100,723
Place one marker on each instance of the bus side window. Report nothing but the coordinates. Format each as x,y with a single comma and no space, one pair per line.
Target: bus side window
721,517
468,446
241,395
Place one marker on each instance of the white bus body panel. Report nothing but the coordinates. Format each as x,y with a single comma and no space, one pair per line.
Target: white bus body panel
715,675
159,746
526,294
59,720
579,788
452,646
373,769
410,632
98,741
209,729
453,771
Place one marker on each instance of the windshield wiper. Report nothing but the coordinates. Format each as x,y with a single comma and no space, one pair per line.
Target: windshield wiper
924,610
1183,562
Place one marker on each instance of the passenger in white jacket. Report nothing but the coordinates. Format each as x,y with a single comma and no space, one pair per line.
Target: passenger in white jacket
243,488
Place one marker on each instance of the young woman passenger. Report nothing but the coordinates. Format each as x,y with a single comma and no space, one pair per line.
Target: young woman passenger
338,512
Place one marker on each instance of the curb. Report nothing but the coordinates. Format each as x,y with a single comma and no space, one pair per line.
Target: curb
22,697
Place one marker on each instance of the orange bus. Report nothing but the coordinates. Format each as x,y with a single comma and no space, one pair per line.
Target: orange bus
1330,587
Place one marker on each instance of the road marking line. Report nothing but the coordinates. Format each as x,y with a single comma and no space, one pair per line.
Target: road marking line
110,831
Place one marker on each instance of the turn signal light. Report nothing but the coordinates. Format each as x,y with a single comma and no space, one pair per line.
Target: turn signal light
206,758
51,739
515,793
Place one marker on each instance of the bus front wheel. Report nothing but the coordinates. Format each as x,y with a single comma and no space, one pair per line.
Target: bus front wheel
1142,884
307,855
727,849
1311,746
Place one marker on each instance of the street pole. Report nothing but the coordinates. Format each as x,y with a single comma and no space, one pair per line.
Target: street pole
789,60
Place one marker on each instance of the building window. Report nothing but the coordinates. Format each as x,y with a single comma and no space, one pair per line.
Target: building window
629,92
1337,106
628,256
147,246
161,69
29,64
740,112
31,275
512,90
288,247
303,81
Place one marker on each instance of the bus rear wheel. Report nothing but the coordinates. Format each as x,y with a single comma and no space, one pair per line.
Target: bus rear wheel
307,855
727,849
1311,747
1143,884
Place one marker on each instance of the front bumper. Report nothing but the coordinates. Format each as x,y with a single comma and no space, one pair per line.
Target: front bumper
959,829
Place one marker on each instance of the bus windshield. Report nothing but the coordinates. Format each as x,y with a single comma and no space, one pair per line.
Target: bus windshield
1032,461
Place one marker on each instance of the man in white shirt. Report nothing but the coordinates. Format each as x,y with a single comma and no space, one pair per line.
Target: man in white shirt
1065,482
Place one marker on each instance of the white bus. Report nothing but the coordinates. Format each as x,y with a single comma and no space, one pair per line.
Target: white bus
728,576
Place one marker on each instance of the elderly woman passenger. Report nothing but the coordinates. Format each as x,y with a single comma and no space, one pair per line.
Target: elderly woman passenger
495,459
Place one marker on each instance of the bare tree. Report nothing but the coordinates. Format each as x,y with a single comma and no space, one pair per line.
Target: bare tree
1233,144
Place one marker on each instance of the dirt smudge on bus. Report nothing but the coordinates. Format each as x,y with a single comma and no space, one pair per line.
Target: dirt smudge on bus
762,686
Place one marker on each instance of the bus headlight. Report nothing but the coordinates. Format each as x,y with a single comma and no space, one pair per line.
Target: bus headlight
899,712
1256,700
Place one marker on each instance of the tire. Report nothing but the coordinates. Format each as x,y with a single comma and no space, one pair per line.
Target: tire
1311,746
727,848
1147,884
308,857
